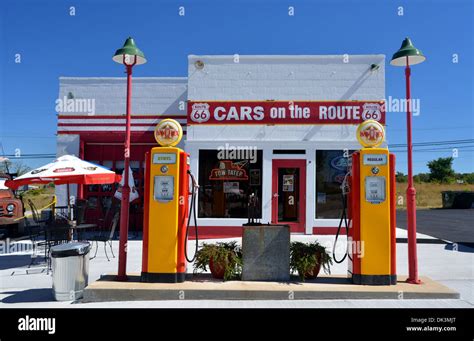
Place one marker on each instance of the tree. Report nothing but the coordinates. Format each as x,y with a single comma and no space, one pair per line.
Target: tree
441,169
421,177
400,177
16,167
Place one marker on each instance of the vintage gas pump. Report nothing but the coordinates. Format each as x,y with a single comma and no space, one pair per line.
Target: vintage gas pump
166,207
371,198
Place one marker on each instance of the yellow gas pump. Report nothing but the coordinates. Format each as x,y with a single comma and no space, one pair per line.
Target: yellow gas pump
371,237
165,207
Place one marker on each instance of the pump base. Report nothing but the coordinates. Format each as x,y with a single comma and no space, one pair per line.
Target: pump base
153,277
374,279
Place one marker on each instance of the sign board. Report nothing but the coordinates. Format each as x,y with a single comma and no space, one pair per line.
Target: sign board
164,158
285,112
288,183
375,159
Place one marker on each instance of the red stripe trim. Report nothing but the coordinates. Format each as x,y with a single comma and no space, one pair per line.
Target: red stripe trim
328,231
80,132
215,232
393,215
105,124
146,217
120,116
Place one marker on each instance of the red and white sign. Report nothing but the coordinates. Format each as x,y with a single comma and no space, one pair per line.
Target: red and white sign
228,170
284,112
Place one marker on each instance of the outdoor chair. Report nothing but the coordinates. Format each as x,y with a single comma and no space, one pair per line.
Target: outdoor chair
37,217
35,234
110,210
81,207
54,232
106,236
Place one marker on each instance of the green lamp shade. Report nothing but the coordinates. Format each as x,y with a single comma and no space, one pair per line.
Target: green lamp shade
129,50
407,50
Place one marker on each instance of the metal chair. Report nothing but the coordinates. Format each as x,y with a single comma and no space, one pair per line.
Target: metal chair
34,234
54,232
106,236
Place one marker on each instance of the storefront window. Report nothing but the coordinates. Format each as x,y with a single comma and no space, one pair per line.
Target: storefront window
226,184
331,167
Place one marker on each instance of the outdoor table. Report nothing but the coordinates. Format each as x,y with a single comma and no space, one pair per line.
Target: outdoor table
81,228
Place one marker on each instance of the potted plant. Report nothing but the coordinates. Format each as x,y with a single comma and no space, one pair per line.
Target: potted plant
307,259
224,260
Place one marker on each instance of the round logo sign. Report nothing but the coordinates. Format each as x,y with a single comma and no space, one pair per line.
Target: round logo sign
370,133
200,113
168,133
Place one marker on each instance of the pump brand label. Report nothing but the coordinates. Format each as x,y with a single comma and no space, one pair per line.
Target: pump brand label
285,112
375,159
164,158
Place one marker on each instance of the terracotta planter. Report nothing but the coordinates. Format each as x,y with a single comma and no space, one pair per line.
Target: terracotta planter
315,271
217,269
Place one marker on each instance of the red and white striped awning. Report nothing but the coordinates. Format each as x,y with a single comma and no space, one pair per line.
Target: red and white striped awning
75,124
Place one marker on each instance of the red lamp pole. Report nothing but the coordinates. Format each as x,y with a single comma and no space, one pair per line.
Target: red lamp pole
125,202
411,191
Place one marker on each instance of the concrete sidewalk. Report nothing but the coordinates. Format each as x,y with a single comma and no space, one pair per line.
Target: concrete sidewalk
449,265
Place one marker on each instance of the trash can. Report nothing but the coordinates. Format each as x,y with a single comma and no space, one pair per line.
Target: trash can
70,263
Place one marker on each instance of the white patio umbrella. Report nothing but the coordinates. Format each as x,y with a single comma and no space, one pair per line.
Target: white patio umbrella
65,170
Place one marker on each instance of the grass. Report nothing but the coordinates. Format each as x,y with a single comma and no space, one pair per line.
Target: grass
428,195
40,197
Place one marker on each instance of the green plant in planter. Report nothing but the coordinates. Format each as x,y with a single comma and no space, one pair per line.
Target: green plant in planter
307,259
224,260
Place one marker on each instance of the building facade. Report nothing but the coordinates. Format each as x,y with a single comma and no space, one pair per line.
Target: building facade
275,131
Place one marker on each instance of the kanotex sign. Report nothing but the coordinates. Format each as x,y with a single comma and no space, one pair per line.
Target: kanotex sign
284,112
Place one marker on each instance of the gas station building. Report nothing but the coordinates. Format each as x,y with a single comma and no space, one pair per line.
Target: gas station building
279,127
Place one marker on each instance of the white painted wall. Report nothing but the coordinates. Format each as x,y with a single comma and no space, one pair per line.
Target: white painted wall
150,95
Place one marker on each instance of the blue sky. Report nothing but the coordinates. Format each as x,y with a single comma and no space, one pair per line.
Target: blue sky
53,43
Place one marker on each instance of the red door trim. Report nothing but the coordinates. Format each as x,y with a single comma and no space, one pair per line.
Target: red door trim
290,163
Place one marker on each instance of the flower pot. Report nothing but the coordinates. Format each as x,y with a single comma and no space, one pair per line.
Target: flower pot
315,271
217,269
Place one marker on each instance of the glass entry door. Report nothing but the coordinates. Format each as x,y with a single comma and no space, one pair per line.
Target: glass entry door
289,193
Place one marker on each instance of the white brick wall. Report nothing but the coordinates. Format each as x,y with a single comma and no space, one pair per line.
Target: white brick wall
286,78
150,95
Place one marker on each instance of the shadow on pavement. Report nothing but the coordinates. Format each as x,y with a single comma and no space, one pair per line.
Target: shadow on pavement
14,261
29,295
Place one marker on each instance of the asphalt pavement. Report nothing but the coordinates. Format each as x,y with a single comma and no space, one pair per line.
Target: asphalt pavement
453,225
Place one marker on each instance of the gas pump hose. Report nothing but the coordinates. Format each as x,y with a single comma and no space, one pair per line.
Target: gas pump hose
192,213
343,219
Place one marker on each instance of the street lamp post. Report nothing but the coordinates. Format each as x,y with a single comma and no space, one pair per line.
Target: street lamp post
129,55
409,55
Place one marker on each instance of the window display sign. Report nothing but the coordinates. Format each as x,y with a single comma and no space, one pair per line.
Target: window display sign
285,112
288,182
231,187
255,177
228,170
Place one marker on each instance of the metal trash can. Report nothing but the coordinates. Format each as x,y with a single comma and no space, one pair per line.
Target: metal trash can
70,263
